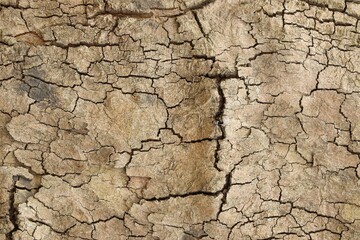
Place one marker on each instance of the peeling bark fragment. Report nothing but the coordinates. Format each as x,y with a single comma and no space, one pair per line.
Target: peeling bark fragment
81,57
168,167
27,129
21,103
197,108
117,123
178,211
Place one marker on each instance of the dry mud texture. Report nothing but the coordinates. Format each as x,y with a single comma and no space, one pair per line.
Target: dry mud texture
184,119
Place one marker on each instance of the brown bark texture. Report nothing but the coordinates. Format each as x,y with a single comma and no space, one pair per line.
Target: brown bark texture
179,119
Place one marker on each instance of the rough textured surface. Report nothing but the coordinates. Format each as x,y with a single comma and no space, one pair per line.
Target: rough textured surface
184,119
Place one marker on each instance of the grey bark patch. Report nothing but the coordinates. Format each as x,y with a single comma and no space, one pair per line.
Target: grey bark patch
36,73
23,87
40,91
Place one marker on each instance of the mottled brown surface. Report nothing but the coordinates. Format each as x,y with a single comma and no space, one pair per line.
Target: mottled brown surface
184,119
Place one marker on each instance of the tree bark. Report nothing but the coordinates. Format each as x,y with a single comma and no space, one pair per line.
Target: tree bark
186,119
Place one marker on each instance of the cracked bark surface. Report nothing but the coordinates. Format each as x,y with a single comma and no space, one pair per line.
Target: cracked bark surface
199,119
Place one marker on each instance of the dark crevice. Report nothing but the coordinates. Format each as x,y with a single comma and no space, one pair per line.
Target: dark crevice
184,195
219,121
13,211
196,17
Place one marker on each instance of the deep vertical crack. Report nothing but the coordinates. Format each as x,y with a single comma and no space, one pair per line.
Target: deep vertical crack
219,120
13,211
